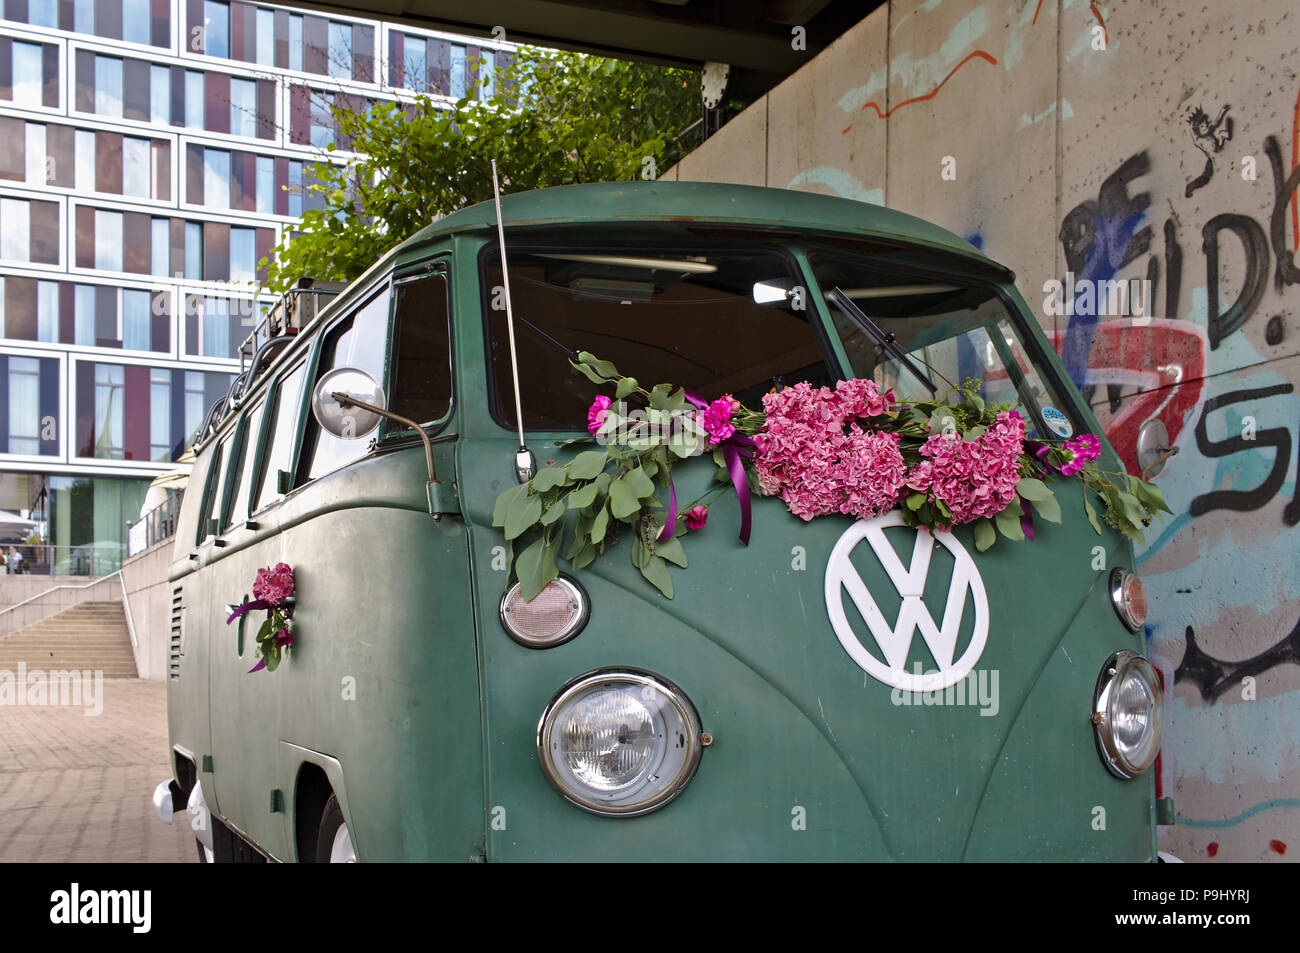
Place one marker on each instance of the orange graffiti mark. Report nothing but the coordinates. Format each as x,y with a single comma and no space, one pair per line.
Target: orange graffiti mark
1295,148
930,95
1038,9
1097,13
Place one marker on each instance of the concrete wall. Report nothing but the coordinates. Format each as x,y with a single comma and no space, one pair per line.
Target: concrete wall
145,576
1154,140
67,591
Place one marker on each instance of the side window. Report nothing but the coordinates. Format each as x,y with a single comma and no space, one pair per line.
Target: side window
252,426
421,374
215,490
360,340
285,401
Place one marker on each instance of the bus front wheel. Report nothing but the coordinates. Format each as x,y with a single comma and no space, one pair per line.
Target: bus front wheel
333,842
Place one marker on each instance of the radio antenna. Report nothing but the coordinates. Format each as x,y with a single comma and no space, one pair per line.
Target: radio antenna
525,462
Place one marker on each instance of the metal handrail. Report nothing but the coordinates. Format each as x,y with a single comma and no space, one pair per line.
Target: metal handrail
126,601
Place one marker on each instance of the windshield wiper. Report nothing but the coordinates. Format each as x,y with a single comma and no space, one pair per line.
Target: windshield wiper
884,340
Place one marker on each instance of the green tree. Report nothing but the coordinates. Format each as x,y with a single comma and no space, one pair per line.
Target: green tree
555,118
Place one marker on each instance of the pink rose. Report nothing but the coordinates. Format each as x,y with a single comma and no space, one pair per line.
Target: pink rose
697,516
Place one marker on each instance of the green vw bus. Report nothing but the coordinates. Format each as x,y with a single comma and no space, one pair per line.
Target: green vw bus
837,689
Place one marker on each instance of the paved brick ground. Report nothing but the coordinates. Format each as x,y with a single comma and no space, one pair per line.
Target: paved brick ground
75,787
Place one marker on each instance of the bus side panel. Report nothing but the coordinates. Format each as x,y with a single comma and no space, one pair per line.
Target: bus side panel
382,676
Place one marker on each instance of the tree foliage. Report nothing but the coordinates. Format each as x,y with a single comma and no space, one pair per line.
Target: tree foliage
556,118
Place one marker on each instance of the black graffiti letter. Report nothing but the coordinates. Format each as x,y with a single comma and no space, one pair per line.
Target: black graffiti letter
1287,272
1255,244
1277,437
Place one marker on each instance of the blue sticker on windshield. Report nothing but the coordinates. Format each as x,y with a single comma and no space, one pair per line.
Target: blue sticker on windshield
1057,422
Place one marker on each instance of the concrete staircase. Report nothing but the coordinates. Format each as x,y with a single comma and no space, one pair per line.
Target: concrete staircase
91,635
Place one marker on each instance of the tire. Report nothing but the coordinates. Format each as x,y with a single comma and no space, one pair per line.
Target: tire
333,843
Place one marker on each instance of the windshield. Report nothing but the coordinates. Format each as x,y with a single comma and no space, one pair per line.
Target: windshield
717,322
909,333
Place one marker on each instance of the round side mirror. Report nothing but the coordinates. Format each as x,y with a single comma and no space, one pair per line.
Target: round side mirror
348,422
1152,442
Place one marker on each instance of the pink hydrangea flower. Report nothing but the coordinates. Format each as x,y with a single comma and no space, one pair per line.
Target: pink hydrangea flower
717,418
976,478
697,516
872,472
596,413
274,585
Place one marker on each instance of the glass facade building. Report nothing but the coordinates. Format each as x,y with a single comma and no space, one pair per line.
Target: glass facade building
152,154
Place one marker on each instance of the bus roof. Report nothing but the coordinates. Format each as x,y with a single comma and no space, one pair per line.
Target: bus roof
703,203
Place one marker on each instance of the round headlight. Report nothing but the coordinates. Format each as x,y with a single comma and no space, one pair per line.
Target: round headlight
1129,597
1127,714
557,614
619,742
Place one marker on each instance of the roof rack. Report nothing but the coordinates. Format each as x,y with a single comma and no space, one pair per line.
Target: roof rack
292,311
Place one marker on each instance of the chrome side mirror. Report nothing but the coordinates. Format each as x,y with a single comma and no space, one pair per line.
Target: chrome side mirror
1153,450
343,400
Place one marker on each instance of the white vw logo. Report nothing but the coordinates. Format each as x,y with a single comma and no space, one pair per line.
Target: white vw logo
895,641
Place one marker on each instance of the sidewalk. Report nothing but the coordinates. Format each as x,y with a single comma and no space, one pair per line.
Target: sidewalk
75,787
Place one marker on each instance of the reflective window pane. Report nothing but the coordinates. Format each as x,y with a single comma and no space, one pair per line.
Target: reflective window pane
108,86
110,399
160,247
108,240
415,64
160,414
136,167
216,178
193,250
136,21
265,184
136,321
216,29
36,154
195,93
85,160
47,311
84,315
15,230
265,37
243,107
280,439
24,405
160,95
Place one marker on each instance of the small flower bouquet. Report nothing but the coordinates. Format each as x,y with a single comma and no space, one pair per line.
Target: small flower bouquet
272,591
853,450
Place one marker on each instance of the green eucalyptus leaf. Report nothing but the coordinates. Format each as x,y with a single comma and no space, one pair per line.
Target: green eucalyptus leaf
659,396
536,567
626,387
589,373
1008,522
585,555
554,512
504,499
640,483
586,465
548,478
915,501
985,535
656,570
624,504
272,656
1047,508
583,496
1092,514
605,368
523,512
1032,489
672,550
599,525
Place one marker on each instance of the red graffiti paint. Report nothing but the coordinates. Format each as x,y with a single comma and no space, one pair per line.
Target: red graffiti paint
1097,13
1212,848
1163,357
1037,10
930,95
1277,846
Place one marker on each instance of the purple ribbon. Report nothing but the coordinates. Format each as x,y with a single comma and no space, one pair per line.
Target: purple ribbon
261,664
248,607
733,448
1027,520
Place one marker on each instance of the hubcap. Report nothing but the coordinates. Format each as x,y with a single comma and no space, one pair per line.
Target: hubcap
341,851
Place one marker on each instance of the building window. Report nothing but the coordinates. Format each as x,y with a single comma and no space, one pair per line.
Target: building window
243,108
216,178
84,148
295,189
160,95
24,405
136,319
15,230
195,98
137,168
216,29
39,13
47,311
160,415
243,254
34,143
160,247
195,402
265,55
266,184
108,240
295,42
193,250
215,329
28,66
84,315
110,396
340,50
322,119
415,64
108,86
136,21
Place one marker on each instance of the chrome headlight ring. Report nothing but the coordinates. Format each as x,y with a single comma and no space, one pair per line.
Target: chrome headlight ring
1128,714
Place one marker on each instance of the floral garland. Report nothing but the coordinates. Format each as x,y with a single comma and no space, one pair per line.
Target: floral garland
272,591
853,450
